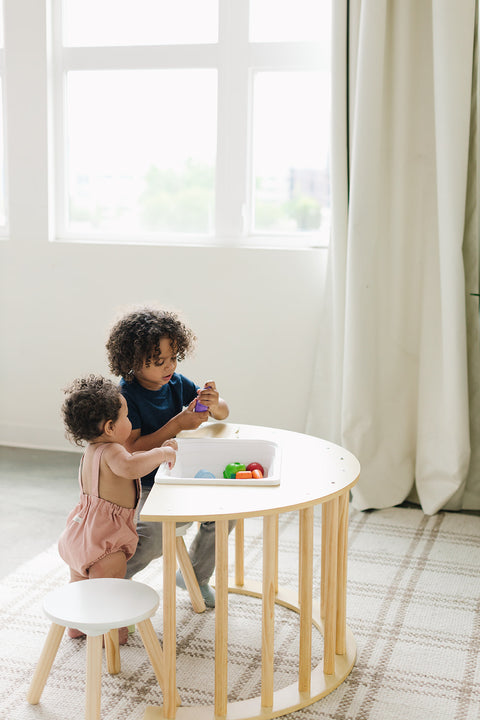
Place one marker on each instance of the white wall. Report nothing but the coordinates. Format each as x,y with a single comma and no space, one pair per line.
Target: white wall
255,311
58,302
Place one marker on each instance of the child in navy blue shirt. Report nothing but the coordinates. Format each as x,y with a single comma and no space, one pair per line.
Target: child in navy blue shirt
143,349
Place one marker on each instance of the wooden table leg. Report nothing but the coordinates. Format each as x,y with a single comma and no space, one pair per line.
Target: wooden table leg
300,531
169,620
306,590
191,582
239,552
276,553
221,617
322,560
268,609
330,550
341,642
154,652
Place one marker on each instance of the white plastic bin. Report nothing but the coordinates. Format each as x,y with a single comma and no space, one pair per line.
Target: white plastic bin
214,454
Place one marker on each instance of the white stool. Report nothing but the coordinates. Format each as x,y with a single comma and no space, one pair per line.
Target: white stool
98,608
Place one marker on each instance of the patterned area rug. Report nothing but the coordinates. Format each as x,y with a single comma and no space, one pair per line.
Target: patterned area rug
413,607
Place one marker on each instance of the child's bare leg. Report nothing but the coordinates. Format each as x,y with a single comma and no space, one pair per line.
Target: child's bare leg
71,632
111,566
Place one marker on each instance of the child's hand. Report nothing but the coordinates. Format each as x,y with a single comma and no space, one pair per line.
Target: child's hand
209,395
188,419
170,443
217,407
169,455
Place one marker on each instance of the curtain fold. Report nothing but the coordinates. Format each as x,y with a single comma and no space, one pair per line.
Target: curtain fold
392,374
469,497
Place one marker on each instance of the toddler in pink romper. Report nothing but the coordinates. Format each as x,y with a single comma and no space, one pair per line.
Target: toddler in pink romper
97,527
101,534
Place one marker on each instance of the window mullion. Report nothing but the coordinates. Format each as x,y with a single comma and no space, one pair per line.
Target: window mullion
139,57
286,56
233,114
58,120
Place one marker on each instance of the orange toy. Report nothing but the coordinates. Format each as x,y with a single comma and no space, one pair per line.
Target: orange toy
243,475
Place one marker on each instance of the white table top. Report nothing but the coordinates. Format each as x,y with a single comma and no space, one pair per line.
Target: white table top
312,470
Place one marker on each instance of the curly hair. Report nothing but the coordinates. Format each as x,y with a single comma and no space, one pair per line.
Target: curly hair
135,340
90,401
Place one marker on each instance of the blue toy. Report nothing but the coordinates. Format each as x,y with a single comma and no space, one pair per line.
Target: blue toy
204,474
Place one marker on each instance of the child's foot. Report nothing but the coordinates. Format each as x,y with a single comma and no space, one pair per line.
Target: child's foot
208,595
72,633
122,634
207,592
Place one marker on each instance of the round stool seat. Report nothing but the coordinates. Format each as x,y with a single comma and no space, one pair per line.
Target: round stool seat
101,604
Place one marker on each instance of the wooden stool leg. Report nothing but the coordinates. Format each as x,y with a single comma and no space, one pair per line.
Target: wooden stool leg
112,651
94,677
45,663
189,576
239,552
221,617
154,652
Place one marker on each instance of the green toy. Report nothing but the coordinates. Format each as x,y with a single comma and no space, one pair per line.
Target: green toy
232,469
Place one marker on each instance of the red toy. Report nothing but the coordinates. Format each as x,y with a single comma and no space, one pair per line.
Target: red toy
255,466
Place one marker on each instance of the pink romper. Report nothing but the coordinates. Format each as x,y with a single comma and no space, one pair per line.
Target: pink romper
97,527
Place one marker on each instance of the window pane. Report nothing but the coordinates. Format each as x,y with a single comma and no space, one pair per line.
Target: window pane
290,151
290,20
141,150
139,22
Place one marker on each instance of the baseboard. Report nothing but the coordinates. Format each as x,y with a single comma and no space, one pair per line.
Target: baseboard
35,437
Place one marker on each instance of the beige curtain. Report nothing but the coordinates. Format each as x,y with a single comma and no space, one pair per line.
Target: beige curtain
396,379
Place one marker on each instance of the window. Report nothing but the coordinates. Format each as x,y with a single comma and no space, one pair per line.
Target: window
193,121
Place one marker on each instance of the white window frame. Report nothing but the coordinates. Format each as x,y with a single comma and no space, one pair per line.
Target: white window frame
236,61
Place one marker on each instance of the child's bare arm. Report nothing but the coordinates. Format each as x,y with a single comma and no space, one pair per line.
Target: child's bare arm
127,465
186,420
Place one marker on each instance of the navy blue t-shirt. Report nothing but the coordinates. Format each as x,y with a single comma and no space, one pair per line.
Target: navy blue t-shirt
149,410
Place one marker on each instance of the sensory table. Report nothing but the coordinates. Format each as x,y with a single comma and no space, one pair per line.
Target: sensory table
312,472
